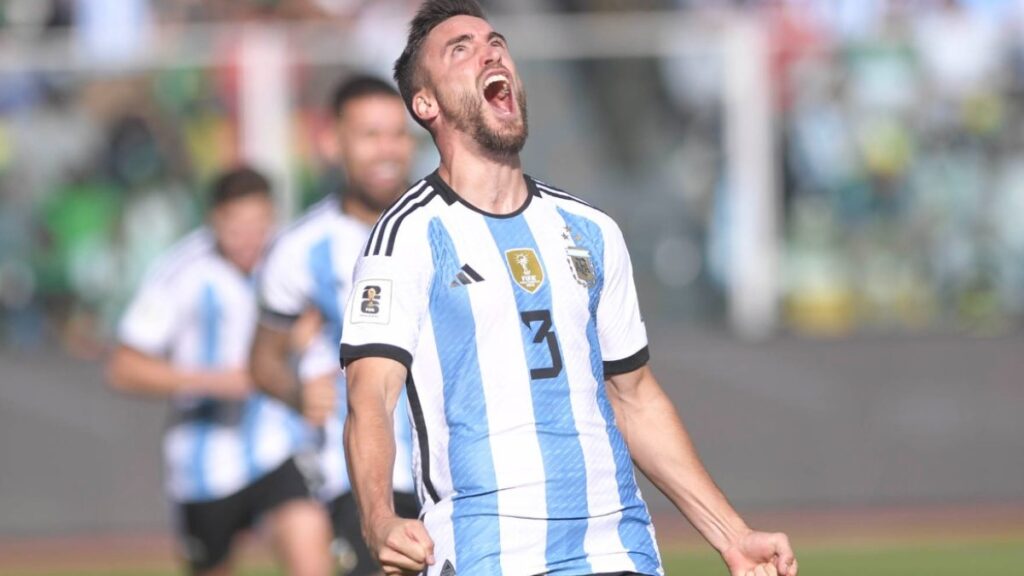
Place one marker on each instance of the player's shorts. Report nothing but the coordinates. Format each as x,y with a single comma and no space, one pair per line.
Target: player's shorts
349,549
207,529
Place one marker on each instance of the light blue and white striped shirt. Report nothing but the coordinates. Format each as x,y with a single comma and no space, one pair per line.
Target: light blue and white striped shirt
311,264
510,325
198,311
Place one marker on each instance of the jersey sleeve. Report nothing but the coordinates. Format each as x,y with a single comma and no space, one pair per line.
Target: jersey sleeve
620,327
284,284
151,320
389,300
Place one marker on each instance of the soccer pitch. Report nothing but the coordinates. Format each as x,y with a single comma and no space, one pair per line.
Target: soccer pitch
952,559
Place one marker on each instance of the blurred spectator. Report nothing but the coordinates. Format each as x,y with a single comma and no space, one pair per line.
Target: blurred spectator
75,263
900,151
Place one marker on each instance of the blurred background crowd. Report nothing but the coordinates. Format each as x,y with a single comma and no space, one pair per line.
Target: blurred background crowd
896,151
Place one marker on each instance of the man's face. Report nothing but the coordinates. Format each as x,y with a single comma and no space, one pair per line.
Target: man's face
376,148
242,228
473,78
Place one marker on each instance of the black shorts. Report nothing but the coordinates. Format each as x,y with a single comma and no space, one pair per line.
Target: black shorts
207,529
349,549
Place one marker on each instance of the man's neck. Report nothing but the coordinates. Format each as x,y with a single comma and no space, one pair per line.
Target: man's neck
491,183
359,210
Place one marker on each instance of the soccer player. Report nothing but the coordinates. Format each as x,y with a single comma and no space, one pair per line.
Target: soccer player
310,266
228,450
507,308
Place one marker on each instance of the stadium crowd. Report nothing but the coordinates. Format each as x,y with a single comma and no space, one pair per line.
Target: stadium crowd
898,154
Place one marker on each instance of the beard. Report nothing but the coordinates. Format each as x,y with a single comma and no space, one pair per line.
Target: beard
376,203
466,112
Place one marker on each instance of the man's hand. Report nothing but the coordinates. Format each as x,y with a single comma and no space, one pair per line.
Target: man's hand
402,547
761,554
319,399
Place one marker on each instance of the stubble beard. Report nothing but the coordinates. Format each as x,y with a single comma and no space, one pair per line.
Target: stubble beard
467,115
369,201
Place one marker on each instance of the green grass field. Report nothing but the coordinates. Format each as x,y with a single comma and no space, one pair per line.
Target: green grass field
954,559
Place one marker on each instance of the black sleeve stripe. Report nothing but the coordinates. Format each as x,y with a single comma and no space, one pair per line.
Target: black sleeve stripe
397,211
563,195
350,353
378,229
382,220
275,319
398,222
421,436
409,198
638,360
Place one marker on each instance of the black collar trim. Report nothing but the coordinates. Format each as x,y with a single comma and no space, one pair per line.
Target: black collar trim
451,196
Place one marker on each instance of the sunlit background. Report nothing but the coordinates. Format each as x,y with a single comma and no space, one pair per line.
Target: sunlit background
823,202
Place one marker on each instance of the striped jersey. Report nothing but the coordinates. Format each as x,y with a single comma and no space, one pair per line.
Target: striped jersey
310,264
509,326
198,311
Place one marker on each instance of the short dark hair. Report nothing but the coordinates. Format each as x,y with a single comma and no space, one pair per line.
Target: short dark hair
237,183
359,86
430,14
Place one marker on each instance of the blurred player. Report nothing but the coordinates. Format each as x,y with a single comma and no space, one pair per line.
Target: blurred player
508,309
229,451
310,266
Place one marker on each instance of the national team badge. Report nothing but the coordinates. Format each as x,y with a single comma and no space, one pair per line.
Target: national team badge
582,266
525,268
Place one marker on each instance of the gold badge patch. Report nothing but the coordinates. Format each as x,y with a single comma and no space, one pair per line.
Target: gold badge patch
525,268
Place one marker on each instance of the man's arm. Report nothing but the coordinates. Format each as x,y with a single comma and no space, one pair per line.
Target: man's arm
661,447
132,371
270,364
374,385
272,372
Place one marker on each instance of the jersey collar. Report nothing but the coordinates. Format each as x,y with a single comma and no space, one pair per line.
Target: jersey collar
451,196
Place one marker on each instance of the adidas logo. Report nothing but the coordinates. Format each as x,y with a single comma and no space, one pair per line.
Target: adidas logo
465,277
448,569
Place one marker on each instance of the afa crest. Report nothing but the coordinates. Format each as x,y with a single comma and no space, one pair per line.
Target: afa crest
582,266
525,268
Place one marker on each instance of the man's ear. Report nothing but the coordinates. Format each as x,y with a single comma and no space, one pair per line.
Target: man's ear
424,105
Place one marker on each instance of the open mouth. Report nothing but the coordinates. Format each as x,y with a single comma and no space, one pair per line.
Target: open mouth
498,93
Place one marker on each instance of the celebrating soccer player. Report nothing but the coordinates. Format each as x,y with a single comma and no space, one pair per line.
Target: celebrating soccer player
507,309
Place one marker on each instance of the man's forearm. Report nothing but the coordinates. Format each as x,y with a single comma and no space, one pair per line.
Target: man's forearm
373,388
370,451
271,368
134,372
662,449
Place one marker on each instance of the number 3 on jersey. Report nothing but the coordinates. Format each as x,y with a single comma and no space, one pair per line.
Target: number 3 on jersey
543,334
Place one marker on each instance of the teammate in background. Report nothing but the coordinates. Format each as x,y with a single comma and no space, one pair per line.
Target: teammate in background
228,451
508,309
310,266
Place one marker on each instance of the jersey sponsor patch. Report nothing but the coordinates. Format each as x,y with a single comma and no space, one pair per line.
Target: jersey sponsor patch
372,302
525,268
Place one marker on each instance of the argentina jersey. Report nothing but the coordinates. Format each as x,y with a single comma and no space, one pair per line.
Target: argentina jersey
310,264
509,326
199,312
